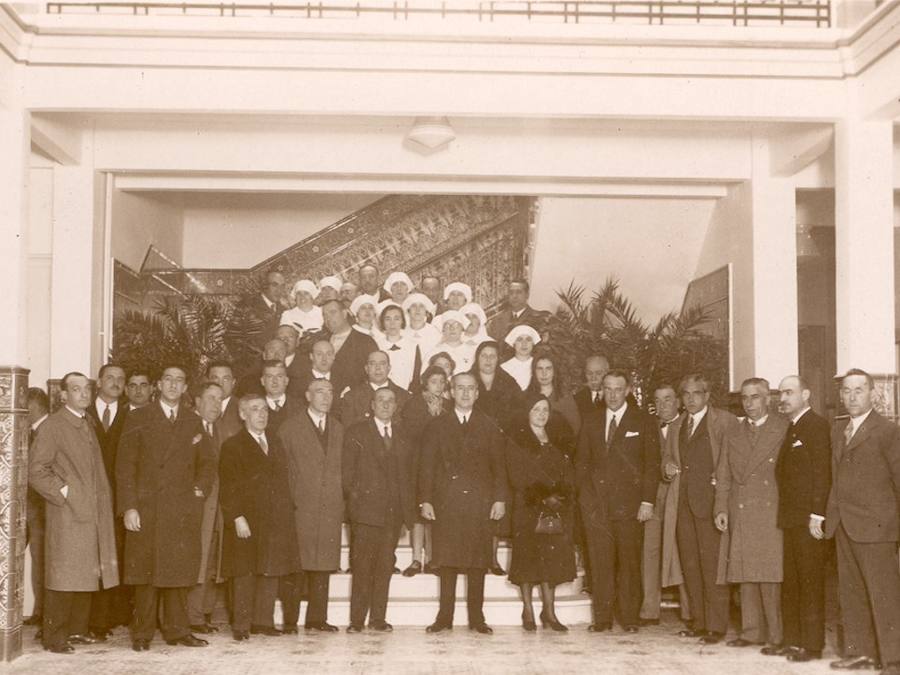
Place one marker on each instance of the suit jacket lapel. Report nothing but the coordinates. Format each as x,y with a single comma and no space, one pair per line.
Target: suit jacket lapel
861,434
764,441
380,449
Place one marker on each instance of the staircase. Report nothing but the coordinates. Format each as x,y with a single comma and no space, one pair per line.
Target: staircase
414,600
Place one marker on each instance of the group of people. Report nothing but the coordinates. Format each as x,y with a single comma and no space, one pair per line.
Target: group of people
393,408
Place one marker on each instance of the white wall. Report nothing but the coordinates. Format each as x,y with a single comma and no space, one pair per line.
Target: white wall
729,239
224,231
139,221
650,245
37,289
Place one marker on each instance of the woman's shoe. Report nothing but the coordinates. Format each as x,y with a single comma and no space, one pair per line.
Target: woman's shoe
414,568
528,623
553,623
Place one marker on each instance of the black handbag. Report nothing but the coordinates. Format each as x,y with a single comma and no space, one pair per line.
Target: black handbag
548,522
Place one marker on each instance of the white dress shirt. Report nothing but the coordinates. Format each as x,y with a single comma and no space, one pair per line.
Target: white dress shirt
382,426
168,410
317,418
273,402
100,405
462,415
856,422
617,414
697,417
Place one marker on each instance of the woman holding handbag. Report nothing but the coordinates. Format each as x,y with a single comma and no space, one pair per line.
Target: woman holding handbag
542,476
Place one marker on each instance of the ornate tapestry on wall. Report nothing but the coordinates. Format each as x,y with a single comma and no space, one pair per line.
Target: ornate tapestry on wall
481,240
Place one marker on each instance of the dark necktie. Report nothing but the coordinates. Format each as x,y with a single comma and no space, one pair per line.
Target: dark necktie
394,348
172,415
105,420
276,406
209,428
611,432
754,430
597,400
848,433
387,438
465,420
690,426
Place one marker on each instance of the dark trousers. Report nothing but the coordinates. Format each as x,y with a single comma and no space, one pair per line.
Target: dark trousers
34,539
698,548
174,623
254,601
111,607
65,613
615,548
291,591
803,589
372,563
869,587
474,595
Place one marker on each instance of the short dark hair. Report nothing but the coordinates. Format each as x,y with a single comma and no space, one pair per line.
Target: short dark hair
334,300
385,388
523,282
64,382
204,386
430,372
698,378
465,373
218,364
756,382
665,385
441,355
250,396
39,397
859,371
173,364
618,372
107,366
378,351
138,371
273,363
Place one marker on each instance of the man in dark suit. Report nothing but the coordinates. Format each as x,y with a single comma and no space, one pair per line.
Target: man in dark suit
379,498
617,468
318,367
260,546
38,411
862,514
433,289
165,468
351,348
370,283
462,488
201,599
804,480
517,312
281,406
229,422
589,398
701,548
251,383
356,403
138,389
265,308
294,361
110,607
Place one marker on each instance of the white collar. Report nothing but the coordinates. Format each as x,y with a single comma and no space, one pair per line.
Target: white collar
800,414
100,405
320,376
317,416
79,415
698,416
266,300
168,409
758,423
276,401
289,359
376,387
225,402
857,421
618,414
382,425
39,422
257,435
460,414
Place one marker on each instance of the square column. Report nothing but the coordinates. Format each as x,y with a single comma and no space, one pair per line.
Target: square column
864,254
15,141
774,254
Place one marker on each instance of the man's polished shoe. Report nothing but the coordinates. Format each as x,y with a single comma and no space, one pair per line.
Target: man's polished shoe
803,655
649,622
33,620
740,642
778,650
415,567
79,639
599,627
187,641
712,638
322,627
354,628
241,635
438,627
482,628
271,631
381,627
289,630
61,649
856,663
631,628
141,645
691,633
200,628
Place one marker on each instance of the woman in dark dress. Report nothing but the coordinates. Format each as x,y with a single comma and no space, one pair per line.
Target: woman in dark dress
542,476
499,397
545,379
418,411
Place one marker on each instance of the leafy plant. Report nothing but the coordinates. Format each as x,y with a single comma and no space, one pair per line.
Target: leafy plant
607,323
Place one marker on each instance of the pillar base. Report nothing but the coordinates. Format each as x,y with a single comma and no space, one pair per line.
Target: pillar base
13,490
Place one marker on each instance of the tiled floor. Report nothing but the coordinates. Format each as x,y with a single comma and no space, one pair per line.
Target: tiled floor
411,650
